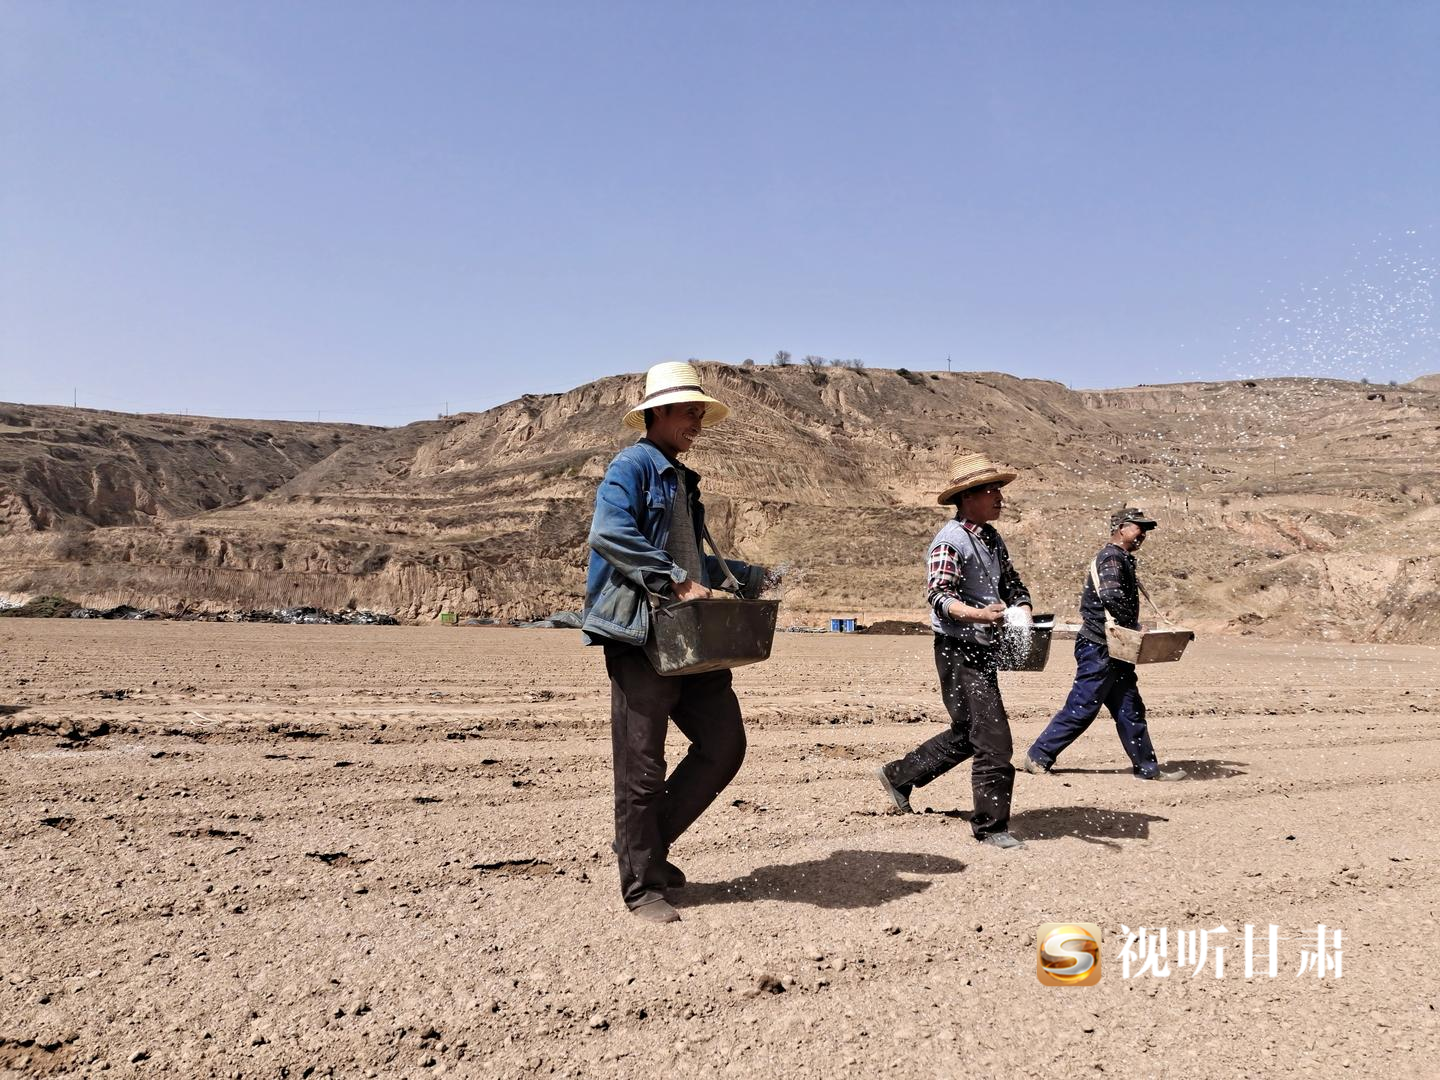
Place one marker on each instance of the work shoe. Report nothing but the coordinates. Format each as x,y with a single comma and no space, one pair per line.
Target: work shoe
1002,840
899,793
656,911
1167,774
1034,767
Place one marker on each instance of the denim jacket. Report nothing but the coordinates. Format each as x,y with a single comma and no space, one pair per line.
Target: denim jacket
628,535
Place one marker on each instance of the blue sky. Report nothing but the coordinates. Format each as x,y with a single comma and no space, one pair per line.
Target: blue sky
368,210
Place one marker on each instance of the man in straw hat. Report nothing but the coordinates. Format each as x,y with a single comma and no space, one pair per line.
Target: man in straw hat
971,582
644,544
1099,678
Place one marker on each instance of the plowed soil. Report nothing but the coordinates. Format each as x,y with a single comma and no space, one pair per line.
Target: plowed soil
233,850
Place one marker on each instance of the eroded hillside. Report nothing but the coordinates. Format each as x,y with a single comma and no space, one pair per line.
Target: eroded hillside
1288,506
69,470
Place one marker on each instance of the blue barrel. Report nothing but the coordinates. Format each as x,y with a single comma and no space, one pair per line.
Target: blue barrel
848,625
835,625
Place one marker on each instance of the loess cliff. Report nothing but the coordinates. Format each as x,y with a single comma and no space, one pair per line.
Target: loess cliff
1288,507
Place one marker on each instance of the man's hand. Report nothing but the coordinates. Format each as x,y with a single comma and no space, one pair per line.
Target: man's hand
690,589
991,613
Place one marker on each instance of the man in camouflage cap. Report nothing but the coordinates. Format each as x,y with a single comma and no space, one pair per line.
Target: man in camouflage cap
1111,586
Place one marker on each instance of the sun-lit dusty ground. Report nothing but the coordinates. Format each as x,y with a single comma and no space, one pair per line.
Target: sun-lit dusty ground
242,850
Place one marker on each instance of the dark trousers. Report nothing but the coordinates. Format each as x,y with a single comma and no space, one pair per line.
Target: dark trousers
651,811
1099,681
978,728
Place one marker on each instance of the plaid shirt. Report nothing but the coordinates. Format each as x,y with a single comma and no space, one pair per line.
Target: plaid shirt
946,580
1119,594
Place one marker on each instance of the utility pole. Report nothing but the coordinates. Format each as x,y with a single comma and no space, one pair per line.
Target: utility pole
947,363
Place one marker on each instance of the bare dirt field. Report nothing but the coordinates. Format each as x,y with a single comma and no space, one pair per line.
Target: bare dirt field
296,851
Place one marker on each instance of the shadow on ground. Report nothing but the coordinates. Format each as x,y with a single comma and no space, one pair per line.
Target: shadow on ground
1194,770
1093,824
1209,770
844,879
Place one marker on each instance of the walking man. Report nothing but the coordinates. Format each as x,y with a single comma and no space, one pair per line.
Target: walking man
645,543
970,582
1111,586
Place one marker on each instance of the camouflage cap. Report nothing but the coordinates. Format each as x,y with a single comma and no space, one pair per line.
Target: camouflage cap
1132,515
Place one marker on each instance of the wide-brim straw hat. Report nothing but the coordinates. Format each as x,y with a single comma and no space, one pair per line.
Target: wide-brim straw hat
674,384
968,471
